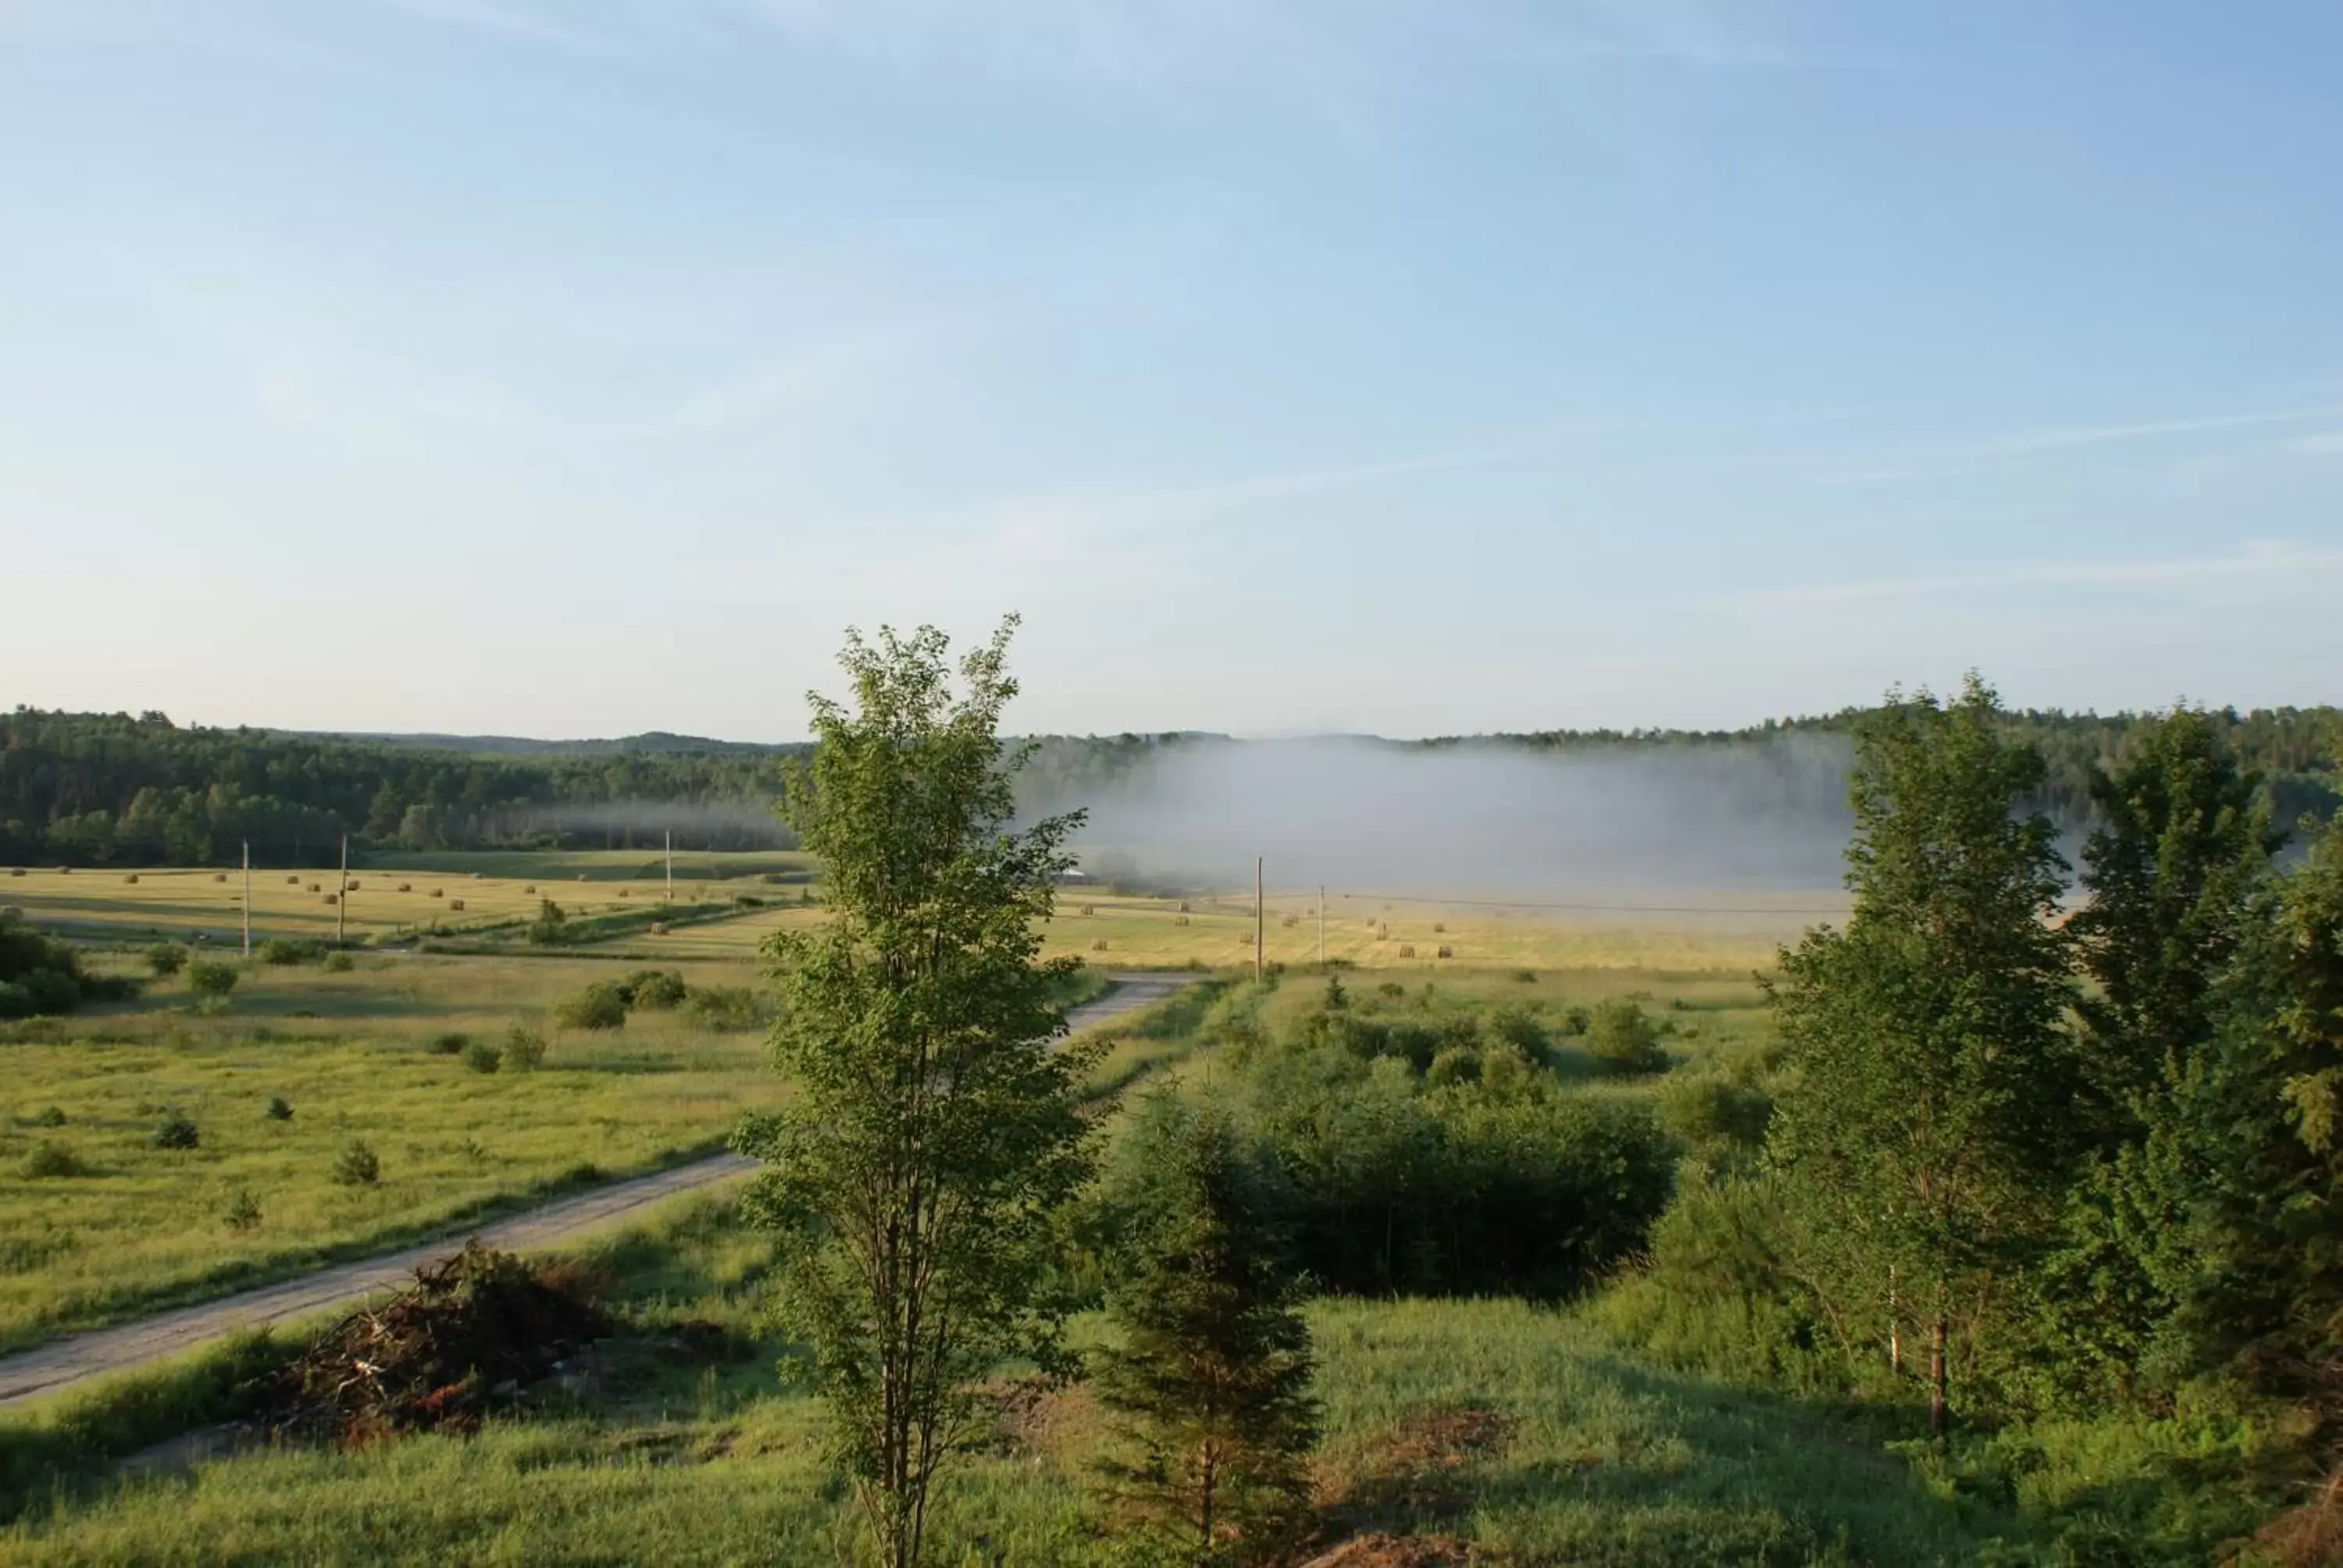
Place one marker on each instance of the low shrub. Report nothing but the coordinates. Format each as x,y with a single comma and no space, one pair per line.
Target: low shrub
481,1056
339,963
358,1165
177,1131
280,1109
601,1005
655,990
289,951
207,978
524,1050
725,1007
1622,1039
166,959
53,1160
243,1214
53,1116
451,1043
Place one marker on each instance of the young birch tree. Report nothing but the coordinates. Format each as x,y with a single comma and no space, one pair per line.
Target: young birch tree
1922,1133
934,1130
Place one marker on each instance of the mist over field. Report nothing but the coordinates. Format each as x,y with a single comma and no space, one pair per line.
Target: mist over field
1466,820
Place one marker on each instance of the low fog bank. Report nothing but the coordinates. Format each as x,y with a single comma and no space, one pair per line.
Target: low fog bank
1634,824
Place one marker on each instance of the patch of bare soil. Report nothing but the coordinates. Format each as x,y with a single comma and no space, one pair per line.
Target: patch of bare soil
2310,1536
1380,1550
1414,1472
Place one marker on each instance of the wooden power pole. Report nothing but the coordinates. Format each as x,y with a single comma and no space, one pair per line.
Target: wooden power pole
247,901
1321,925
1260,926
342,897
670,865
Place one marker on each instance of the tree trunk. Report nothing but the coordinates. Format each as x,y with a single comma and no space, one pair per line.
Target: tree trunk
1939,1409
1894,1326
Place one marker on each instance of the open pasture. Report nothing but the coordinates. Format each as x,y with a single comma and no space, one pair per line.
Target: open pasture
98,1222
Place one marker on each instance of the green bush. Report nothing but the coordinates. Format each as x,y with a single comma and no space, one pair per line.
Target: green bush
166,959
524,1050
243,1214
1576,1021
551,927
38,975
289,951
654,991
601,1005
725,1007
177,1131
280,1109
206,977
339,963
358,1165
1710,1113
482,1056
452,1043
51,1116
1622,1039
51,1160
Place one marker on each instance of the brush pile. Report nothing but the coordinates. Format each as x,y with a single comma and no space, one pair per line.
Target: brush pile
469,1334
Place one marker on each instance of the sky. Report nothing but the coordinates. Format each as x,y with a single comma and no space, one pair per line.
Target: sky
577,367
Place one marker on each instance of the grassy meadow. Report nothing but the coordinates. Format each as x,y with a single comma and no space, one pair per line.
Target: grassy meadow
1496,1430
97,1222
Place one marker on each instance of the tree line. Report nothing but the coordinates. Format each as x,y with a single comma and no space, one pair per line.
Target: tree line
2034,1163
94,789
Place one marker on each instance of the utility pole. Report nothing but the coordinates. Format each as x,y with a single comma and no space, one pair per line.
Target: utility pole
247,901
1260,926
342,897
1321,925
670,865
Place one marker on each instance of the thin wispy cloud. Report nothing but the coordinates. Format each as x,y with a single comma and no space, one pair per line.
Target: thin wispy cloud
1956,456
2258,560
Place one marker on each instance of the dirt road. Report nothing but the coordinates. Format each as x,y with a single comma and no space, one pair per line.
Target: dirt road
49,1368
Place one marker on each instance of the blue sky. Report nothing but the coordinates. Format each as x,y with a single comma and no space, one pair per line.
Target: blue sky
583,367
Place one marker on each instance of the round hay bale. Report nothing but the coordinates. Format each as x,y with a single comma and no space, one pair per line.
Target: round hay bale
581,876
530,888
16,871
1183,906
1407,950
1088,908
1437,928
407,887
1447,952
480,876
659,928
352,885
64,871
131,877
316,887
454,903
1290,922
622,892
333,898
1178,920
216,876
438,892
1099,946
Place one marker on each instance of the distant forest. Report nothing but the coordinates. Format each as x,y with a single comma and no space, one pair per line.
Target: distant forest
97,788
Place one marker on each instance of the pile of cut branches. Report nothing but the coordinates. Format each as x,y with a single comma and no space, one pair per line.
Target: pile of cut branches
470,1333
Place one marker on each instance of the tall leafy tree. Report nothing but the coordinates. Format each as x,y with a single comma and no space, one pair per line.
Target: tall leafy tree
2175,869
934,1133
2255,1141
2172,870
1922,1129
1211,1385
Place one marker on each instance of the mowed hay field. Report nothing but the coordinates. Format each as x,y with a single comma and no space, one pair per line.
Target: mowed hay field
98,1223
398,896
1736,933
